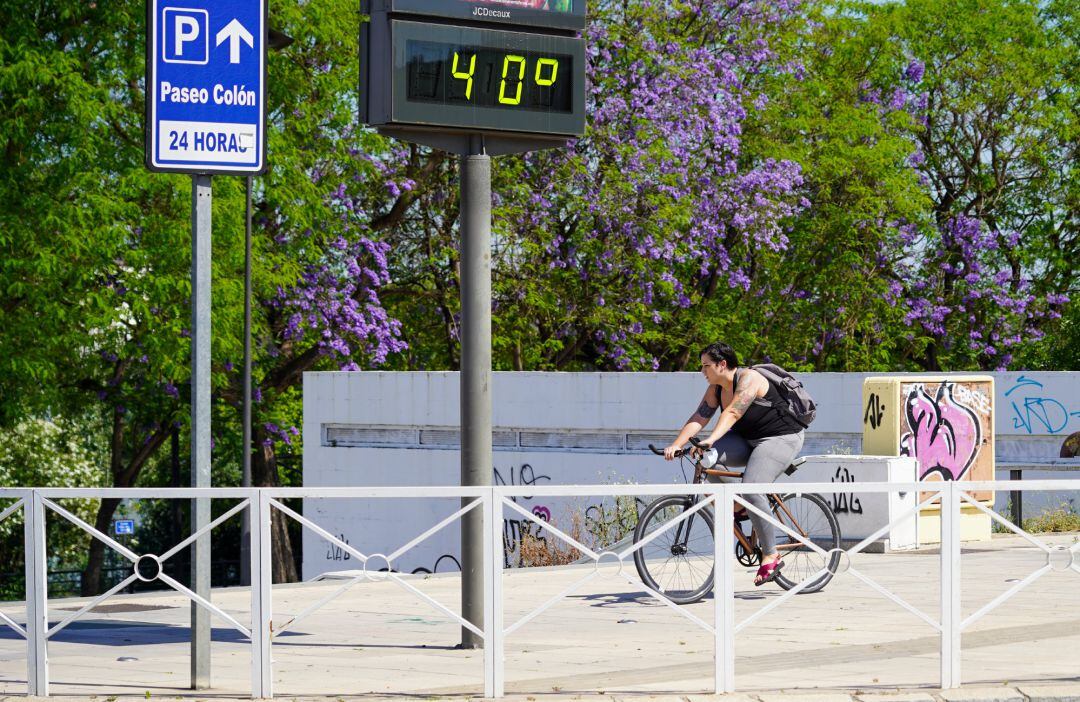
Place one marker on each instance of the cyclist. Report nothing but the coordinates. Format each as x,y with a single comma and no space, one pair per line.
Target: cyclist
752,431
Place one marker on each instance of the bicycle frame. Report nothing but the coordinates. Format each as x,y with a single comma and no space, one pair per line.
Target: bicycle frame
774,498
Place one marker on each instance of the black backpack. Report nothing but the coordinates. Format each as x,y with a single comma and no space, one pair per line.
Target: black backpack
796,401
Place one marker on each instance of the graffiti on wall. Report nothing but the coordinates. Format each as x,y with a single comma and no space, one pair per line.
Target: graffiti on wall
446,563
335,552
1035,411
515,528
843,502
875,411
945,428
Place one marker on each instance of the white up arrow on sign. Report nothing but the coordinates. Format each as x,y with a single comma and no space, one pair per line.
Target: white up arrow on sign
235,32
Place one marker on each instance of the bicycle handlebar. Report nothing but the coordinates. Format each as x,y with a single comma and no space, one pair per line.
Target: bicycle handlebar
681,452
660,452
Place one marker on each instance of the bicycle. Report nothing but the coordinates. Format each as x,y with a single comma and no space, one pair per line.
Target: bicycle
678,564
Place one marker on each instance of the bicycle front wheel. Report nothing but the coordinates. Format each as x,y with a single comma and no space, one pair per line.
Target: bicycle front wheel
678,563
812,518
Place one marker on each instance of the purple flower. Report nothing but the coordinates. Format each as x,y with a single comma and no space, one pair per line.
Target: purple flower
914,71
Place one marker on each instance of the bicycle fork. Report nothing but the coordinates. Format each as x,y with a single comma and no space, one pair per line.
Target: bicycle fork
682,531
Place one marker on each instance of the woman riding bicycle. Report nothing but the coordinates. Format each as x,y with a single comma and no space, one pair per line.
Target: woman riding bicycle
752,431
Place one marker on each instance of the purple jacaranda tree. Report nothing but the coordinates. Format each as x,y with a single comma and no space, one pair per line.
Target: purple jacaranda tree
630,247
606,251
954,289
987,270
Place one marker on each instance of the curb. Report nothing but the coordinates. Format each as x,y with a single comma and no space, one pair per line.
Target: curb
1069,692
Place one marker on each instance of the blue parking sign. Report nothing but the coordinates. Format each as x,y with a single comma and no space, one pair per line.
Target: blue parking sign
205,86
124,526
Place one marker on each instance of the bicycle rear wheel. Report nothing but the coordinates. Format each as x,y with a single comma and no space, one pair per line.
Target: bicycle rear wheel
810,516
679,562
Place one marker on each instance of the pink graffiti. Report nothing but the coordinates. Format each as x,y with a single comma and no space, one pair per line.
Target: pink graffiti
945,435
542,512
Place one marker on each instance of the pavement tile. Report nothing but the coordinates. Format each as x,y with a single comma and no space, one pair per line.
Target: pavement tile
982,694
1051,693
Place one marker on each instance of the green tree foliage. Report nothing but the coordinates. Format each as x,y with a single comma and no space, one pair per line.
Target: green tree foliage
994,261
826,303
96,250
54,453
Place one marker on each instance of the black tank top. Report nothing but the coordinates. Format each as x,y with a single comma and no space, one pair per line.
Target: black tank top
763,418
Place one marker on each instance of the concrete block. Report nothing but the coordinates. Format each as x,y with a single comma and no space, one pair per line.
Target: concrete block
982,694
1051,693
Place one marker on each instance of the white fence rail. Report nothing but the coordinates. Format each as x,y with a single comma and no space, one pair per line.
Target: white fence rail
494,502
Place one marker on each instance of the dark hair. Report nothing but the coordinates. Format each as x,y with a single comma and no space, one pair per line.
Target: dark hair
720,351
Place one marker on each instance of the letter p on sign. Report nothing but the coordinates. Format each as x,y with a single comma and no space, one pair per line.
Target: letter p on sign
186,35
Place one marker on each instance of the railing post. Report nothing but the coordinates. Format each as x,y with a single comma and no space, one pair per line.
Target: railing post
493,601
262,611
724,590
37,596
950,586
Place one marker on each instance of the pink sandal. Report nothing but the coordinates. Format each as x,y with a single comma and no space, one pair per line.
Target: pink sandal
767,572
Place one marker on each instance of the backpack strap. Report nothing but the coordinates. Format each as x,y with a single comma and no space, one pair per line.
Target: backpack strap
734,384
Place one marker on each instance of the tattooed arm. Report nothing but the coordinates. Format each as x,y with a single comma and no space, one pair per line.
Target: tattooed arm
751,386
698,421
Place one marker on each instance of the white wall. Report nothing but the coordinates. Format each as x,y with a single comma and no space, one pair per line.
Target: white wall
401,429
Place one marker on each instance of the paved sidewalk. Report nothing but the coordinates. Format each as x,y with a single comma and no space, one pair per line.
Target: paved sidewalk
608,641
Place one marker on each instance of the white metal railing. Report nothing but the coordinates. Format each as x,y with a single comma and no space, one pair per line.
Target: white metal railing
493,503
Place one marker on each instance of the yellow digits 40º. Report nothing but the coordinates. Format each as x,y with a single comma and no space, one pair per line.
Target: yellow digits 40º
465,76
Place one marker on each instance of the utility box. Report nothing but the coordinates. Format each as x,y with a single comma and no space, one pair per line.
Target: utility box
863,514
946,423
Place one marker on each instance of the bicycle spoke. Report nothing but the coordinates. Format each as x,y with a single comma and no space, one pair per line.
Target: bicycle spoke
678,561
663,570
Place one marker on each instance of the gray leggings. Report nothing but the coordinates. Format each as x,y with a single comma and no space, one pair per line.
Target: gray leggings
765,459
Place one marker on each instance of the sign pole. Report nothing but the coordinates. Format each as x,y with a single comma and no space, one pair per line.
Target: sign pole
475,378
205,114
200,424
245,480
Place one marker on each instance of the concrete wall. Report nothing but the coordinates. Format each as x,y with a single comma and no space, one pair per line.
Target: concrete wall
376,428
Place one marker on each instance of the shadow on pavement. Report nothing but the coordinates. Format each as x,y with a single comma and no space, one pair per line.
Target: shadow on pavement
130,633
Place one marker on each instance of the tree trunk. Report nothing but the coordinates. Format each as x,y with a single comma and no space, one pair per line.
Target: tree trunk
264,473
122,476
284,567
930,358
679,364
91,577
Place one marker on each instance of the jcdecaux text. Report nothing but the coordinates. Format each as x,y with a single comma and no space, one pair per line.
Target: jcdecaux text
236,95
